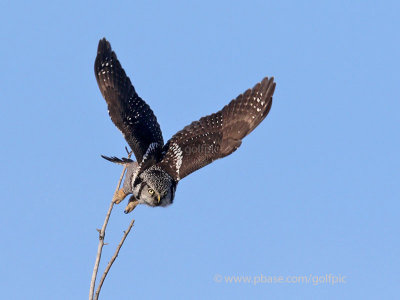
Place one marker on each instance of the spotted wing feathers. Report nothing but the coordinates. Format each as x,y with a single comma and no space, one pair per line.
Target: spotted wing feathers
217,135
127,110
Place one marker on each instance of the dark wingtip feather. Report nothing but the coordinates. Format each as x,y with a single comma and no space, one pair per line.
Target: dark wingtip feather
104,53
104,46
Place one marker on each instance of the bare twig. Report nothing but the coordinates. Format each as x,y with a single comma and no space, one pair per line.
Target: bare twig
102,233
126,232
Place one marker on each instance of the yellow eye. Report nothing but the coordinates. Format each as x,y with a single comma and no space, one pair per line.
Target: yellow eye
151,191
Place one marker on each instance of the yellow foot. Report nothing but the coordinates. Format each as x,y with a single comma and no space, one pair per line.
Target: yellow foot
131,206
119,196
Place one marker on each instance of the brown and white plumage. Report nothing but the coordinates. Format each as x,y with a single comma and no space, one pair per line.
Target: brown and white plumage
127,110
160,167
219,134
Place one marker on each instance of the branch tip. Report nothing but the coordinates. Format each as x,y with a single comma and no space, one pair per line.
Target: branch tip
102,232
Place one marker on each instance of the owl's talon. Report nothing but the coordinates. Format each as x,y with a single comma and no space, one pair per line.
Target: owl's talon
131,206
119,196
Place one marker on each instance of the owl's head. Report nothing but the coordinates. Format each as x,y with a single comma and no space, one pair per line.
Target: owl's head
154,187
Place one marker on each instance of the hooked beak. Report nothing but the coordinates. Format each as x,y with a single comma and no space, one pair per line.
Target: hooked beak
158,198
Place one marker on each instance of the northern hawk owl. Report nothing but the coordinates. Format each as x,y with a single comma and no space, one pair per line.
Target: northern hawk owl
153,179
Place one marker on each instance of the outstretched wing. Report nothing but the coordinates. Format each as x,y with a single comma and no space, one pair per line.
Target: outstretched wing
217,135
127,110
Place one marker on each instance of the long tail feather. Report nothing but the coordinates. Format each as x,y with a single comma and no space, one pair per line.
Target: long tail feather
116,160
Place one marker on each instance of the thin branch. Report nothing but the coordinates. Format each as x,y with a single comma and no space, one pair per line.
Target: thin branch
102,233
110,263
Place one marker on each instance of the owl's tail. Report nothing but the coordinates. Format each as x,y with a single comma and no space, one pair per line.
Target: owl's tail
116,160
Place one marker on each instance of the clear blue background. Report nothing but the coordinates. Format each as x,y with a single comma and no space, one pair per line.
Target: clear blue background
313,190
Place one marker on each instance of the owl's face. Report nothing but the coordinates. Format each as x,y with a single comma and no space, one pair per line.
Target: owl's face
154,187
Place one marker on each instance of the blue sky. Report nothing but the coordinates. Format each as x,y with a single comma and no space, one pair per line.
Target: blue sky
313,191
